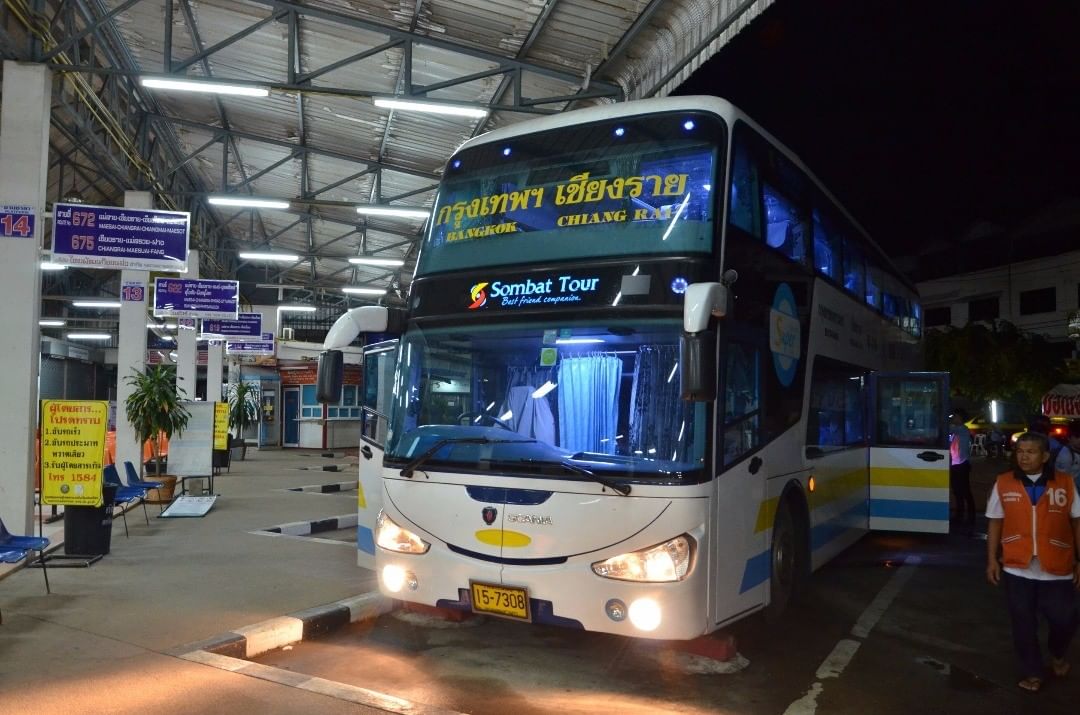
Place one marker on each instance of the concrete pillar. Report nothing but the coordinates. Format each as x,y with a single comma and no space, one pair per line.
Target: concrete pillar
131,350
187,368
24,161
215,353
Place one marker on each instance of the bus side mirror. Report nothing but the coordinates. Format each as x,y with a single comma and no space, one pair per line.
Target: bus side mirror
330,377
703,301
698,376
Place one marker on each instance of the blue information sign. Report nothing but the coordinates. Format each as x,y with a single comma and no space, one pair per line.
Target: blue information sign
119,238
250,347
196,298
247,326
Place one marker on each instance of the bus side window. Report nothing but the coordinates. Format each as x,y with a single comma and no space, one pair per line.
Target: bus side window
854,271
745,211
835,418
873,285
742,393
826,247
787,228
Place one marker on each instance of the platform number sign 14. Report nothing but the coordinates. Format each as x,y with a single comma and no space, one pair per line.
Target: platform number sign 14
16,222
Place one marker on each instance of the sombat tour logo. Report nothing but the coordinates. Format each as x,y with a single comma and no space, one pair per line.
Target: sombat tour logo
563,289
478,295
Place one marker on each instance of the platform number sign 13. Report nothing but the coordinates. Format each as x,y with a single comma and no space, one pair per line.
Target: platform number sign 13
16,222
133,292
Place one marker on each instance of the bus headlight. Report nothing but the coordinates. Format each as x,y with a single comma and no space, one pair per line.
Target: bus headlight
669,561
392,537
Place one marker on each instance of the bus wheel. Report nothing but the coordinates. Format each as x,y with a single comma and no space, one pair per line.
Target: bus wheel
786,562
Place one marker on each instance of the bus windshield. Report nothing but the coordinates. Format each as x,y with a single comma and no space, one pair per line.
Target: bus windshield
634,187
547,397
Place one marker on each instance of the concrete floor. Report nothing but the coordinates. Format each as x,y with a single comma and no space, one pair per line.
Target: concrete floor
102,642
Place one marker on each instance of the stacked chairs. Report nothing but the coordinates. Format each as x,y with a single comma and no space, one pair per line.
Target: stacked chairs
124,494
134,481
14,548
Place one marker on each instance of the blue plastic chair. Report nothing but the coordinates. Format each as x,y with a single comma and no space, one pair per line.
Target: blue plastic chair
124,494
134,481
14,548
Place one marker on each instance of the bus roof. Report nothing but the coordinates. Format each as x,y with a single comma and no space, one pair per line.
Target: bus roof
701,103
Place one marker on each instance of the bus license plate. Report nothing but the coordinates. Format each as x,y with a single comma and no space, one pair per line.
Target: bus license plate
500,600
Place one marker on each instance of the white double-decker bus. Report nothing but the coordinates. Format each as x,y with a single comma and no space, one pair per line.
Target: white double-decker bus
650,376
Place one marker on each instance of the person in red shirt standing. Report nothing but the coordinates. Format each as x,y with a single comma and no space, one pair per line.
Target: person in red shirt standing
1033,519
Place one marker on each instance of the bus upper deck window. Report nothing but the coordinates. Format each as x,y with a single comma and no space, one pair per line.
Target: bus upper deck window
787,228
826,248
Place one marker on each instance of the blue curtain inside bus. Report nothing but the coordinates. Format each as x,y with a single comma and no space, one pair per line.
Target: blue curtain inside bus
589,403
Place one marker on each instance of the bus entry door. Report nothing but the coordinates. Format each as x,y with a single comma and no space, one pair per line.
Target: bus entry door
909,452
378,371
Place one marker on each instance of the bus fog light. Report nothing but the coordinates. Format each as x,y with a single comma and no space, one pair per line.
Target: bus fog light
645,614
393,578
615,609
411,582
669,561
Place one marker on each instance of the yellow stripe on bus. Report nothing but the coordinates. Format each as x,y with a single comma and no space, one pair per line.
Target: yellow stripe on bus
360,500
766,514
503,537
909,477
837,488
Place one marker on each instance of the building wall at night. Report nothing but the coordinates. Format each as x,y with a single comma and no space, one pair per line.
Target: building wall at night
1034,295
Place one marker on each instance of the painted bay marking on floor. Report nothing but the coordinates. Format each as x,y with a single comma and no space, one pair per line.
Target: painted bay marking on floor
842,653
329,688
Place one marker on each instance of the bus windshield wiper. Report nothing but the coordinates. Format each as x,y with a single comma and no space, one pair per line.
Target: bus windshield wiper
611,484
408,469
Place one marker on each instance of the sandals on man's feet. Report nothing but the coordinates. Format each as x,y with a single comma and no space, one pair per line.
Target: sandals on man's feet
1031,684
1061,667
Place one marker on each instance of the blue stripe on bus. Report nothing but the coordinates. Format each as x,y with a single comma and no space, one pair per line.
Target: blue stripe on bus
502,495
756,571
838,525
365,539
909,509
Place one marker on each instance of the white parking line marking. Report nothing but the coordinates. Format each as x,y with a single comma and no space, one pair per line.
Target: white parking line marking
842,653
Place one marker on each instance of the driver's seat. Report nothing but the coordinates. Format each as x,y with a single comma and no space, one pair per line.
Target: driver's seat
530,416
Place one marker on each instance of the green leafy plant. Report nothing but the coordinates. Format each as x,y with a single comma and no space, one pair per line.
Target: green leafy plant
154,408
243,409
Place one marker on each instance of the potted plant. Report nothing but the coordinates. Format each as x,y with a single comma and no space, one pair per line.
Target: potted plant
154,410
243,410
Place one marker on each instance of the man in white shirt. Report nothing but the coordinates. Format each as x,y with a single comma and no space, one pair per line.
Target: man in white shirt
1068,459
960,469
1033,518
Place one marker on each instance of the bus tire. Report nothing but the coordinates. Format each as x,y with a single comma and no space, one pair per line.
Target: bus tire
788,561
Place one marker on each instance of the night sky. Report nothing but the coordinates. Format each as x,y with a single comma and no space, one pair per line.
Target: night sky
922,117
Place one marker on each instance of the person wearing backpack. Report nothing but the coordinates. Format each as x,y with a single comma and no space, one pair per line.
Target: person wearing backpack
1068,459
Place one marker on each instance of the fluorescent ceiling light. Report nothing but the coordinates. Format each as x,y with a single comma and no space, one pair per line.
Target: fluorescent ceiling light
89,336
210,87
284,257
365,261
578,341
297,308
411,105
96,304
363,291
248,202
162,326
50,266
402,212
45,323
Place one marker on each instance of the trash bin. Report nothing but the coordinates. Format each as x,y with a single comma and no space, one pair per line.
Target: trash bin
88,529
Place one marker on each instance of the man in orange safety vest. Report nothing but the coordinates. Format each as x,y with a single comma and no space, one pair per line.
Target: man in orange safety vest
1033,518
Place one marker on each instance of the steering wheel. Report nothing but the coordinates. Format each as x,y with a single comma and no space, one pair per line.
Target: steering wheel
485,415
